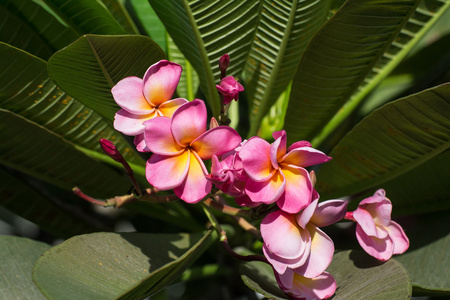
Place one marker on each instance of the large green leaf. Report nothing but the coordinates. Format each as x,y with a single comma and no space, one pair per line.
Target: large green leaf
205,30
34,150
27,91
359,276
28,26
389,142
17,257
28,202
112,265
86,16
284,30
90,67
360,38
121,15
428,258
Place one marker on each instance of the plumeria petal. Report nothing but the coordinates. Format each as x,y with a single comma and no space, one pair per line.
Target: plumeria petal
320,287
298,189
299,144
380,208
139,142
189,122
195,186
168,108
160,81
167,172
278,149
255,156
128,94
131,124
305,157
282,264
266,192
367,223
382,249
282,236
245,201
305,215
218,140
322,249
398,236
158,137
329,212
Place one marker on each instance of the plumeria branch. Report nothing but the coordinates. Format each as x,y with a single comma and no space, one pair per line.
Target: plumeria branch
232,211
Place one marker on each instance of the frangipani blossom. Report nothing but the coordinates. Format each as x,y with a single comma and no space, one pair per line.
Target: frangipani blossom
147,98
300,287
179,146
230,89
295,241
377,234
277,175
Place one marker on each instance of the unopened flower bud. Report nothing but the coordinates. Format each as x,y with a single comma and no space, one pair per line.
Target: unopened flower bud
230,89
111,150
224,62
213,123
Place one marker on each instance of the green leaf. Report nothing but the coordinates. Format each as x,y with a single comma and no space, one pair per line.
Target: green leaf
17,257
28,202
428,257
205,31
359,276
34,150
112,265
284,30
90,67
274,120
389,142
28,26
27,91
259,277
86,16
150,22
121,15
338,59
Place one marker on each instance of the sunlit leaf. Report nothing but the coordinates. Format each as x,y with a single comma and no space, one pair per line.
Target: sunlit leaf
284,30
17,257
90,67
121,15
116,265
389,142
205,30
27,25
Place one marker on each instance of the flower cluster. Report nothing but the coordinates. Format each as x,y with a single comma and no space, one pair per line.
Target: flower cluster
255,172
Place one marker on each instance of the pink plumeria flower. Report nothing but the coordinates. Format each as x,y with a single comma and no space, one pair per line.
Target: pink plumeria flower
179,145
147,98
230,89
277,175
377,234
295,241
298,286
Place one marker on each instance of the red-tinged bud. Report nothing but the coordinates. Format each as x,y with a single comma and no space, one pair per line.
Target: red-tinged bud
111,150
230,89
213,123
224,62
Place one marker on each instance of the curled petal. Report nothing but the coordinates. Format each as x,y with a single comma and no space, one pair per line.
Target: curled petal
195,186
128,94
255,156
216,141
158,137
279,146
367,224
322,249
299,144
189,122
329,212
398,236
298,189
305,157
266,192
305,215
282,236
167,172
280,265
139,142
131,124
160,81
382,249
168,108
380,208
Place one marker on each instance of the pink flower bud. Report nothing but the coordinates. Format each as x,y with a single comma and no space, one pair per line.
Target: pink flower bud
229,88
224,62
111,150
